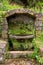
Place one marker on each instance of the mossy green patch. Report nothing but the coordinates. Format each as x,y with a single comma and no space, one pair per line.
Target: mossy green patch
20,28
21,44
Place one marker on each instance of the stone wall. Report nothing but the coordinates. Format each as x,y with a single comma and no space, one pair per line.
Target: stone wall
38,23
4,29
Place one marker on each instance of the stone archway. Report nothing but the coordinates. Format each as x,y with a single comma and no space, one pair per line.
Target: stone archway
11,15
22,14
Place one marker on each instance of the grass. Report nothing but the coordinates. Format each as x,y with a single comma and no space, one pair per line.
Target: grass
21,29
20,32
5,6
39,40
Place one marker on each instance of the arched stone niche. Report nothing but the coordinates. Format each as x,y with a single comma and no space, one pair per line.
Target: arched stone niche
21,14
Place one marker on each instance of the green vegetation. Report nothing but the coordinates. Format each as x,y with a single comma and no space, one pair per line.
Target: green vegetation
5,6
34,5
36,54
21,29
39,40
21,44
20,32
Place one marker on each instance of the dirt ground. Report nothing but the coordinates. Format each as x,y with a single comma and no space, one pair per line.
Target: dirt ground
20,62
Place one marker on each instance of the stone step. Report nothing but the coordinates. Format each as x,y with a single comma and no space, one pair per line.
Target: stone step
15,54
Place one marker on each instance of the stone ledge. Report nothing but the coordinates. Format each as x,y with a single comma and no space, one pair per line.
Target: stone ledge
16,54
9,13
22,37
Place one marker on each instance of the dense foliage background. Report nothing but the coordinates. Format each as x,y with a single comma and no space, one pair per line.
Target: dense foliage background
36,5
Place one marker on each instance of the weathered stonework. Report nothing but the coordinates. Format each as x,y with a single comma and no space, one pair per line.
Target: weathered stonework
38,23
3,45
19,11
8,14
4,29
37,16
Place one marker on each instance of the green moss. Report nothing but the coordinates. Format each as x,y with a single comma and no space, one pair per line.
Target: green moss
21,28
19,31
